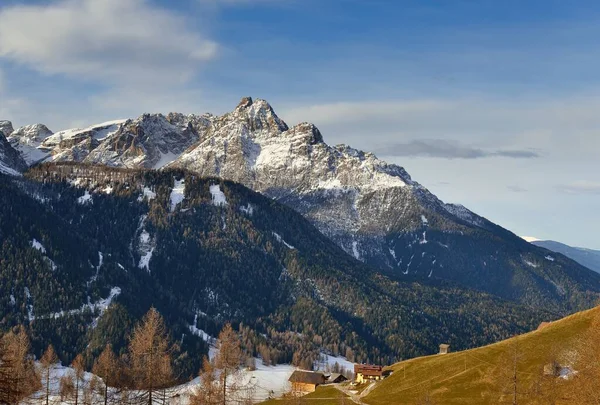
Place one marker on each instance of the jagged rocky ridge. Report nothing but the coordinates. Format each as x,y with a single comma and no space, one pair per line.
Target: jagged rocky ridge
371,209
11,161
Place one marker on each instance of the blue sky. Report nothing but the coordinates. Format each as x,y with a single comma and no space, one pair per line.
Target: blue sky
492,104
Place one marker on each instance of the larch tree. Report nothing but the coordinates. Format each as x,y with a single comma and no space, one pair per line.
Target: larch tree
208,391
108,368
78,367
18,376
48,360
228,361
150,357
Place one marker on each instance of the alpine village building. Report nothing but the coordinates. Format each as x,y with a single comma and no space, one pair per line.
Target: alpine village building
366,372
307,381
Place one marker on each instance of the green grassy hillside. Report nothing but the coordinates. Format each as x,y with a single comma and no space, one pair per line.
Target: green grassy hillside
480,376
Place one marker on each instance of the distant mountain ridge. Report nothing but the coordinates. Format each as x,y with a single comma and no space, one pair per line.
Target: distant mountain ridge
586,257
371,209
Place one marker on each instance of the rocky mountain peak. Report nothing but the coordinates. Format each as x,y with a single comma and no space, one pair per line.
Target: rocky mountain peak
6,127
260,115
31,134
315,135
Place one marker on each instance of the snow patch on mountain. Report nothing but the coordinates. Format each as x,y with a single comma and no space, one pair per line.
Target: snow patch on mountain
281,240
86,198
218,197
37,245
355,251
100,305
177,193
146,193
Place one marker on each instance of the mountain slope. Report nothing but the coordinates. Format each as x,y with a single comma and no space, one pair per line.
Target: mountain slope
373,210
204,251
11,161
586,257
475,376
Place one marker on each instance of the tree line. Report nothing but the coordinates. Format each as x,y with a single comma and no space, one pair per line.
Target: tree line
143,375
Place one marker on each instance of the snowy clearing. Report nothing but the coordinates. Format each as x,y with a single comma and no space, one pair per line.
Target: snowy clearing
37,245
218,197
177,194
85,198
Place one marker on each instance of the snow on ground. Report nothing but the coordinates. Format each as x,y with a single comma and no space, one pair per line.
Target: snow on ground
550,258
327,362
530,264
280,240
107,190
530,238
37,245
146,193
218,197
355,251
424,220
101,131
85,198
248,209
101,305
8,170
145,260
177,194
165,159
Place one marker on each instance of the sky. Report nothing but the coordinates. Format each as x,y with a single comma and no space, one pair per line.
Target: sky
491,104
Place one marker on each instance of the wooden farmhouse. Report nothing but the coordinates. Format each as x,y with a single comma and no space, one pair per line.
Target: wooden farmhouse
366,372
306,381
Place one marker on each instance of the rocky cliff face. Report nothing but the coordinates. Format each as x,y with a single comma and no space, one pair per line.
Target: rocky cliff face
11,162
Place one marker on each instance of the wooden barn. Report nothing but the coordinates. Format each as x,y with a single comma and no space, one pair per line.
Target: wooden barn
306,381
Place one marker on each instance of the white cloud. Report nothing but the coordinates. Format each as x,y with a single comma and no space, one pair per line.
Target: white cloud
581,187
118,41
565,127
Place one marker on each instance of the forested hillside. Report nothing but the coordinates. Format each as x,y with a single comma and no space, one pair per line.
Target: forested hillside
205,251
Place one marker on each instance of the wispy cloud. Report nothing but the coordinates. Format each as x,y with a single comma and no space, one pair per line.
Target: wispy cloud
120,41
580,187
517,189
445,149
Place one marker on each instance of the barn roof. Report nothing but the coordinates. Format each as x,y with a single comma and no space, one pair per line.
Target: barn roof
307,377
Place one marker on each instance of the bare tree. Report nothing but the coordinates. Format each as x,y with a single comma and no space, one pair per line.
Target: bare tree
48,360
18,376
78,377
224,383
507,375
66,388
150,358
208,391
228,359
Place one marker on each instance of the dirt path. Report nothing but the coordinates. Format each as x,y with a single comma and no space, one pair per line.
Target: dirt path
356,397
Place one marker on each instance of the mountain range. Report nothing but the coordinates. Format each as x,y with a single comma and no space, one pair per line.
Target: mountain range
586,257
251,220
